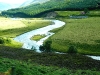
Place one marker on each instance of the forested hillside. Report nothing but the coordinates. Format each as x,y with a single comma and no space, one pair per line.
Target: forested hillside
37,9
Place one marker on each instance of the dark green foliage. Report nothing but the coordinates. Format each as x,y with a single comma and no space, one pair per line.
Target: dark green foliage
41,48
72,49
1,41
69,61
24,68
86,10
36,10
13,70
4,40
46,47
19,72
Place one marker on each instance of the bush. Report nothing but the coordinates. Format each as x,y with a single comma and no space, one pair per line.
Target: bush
72,49
46,47
19,72
86,11
1,41
41,48
4,40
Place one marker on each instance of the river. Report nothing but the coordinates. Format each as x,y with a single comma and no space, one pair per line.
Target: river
32,44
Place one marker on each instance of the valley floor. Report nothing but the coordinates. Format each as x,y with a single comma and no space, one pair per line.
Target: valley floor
84,34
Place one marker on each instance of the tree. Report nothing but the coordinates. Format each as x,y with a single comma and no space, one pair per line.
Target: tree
41,48
86,10
72,49
46,47
1,41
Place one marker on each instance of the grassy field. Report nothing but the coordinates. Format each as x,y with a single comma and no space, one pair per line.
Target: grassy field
17,27
84,34
93,13
31,63
67,13
26,68
6,24
10,27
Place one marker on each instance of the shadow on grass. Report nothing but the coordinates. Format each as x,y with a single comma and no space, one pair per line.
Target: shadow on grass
97,41
88,48
70,61
84,48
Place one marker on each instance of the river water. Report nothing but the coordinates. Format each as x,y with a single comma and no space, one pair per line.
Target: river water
32,44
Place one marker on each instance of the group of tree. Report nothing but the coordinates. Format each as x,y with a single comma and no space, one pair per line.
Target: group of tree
34,10
46,47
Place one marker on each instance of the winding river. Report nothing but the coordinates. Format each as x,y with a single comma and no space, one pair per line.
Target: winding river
32,44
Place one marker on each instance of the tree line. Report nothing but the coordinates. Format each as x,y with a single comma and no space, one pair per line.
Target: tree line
34,10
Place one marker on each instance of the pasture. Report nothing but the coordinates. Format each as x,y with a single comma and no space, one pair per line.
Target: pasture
14,27
11,27
84,34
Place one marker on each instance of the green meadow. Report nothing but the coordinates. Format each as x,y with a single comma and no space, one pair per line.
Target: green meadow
84,33
79,37
10,28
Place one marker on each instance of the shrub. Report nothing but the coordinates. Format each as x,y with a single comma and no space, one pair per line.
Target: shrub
19,72
72,49
41,48
13,70
86,10
46,47
1,41
4,40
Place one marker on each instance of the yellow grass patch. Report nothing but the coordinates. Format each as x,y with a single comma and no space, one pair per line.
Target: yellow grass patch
10,24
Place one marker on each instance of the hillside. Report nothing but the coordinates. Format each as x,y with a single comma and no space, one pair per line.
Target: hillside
35,10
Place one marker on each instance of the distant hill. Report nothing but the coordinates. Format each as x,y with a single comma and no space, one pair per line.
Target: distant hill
35,8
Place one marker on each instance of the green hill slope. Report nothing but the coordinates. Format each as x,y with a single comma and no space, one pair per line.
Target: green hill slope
34,10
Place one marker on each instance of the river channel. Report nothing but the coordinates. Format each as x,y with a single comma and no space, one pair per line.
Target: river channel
32,44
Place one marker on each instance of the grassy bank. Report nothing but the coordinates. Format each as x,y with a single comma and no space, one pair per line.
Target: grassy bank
84,34
29,63
27,68
10,27
38,37
14,27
